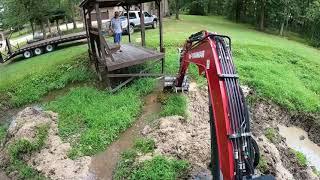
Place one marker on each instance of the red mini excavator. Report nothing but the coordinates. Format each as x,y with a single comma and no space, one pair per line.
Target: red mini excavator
234,153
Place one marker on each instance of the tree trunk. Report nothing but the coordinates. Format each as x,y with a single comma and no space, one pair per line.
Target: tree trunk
32,27
43,29
73,18
282,28
58,27
238,10
49,27
177,9
262,18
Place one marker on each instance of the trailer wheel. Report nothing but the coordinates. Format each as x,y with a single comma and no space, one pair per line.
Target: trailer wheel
27,54
49,48
38,51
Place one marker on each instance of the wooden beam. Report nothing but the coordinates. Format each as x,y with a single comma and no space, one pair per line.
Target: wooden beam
158,2
132,78
143,33
128,21
101,43
160,25
85,13
136,75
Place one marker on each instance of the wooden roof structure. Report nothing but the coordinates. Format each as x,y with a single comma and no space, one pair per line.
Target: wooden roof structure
108,61
112,3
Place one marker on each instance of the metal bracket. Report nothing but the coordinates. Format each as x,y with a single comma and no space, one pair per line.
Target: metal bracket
238,135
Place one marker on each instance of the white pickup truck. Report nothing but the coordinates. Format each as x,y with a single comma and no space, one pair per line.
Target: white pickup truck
134,19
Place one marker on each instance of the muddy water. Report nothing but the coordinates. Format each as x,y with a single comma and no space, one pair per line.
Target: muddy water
103,164
306,146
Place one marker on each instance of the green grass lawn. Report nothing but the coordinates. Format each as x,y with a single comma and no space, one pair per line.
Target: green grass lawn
27,81
91,119
285,71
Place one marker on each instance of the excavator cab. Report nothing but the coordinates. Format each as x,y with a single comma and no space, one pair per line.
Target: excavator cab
234,152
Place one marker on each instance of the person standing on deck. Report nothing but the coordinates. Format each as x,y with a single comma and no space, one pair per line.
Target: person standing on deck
116,28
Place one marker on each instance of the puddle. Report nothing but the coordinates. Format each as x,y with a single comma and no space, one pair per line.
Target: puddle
103,164
306,146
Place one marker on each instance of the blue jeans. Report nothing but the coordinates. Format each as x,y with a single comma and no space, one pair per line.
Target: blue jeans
117,38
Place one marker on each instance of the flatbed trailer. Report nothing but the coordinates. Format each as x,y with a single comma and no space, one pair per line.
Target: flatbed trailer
40,47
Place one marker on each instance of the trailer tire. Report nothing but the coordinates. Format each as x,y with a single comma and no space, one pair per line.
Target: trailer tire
27,54
38,51
49,48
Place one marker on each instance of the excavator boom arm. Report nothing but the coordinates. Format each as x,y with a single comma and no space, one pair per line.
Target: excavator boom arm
234,152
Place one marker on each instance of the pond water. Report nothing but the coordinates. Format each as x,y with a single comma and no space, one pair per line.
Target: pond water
304,145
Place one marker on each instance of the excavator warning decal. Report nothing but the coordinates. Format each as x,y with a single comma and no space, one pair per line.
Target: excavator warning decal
197,55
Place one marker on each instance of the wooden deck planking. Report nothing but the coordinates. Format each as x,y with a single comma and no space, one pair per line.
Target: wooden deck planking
132,55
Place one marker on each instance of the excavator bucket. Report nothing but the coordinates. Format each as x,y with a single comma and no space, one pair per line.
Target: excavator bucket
170,84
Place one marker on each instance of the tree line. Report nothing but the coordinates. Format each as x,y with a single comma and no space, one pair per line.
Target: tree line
42,13
299,16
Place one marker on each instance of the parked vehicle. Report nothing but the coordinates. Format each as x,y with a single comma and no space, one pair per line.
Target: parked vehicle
134,19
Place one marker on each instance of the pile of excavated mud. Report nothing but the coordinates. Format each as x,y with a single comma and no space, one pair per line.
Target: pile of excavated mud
52,161
189,138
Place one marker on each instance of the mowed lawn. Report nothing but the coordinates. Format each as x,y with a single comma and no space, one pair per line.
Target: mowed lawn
285,71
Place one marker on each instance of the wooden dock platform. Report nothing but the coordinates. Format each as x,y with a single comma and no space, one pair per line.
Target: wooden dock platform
131,55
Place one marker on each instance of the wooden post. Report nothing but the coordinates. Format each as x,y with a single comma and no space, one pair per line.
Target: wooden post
85,24
128,20
143,33
161,32
102,48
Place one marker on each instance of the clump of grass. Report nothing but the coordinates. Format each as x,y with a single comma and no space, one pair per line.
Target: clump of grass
272,135
263,166
301,158
315,171
3,133
144,145
91,119
158,167
23,147
174,104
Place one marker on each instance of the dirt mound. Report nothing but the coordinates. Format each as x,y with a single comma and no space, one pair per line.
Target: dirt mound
189,138
52,160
